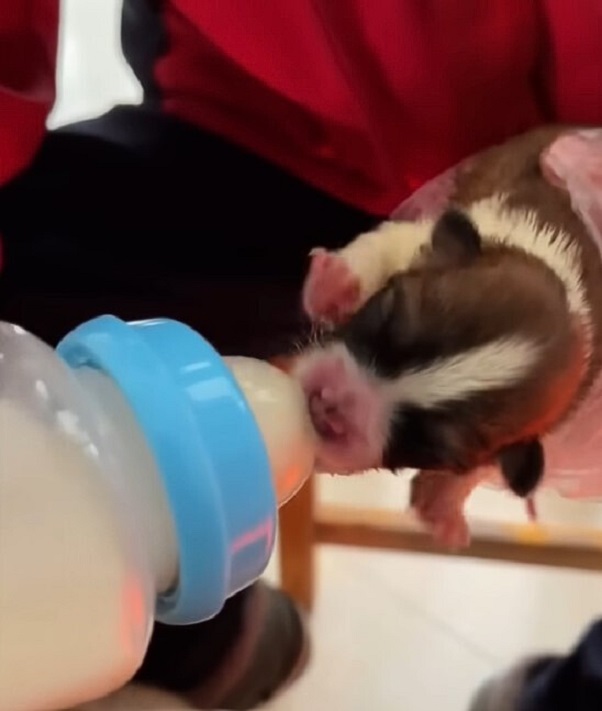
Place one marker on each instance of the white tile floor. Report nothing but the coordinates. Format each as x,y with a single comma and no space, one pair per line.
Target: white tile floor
414,632
390,631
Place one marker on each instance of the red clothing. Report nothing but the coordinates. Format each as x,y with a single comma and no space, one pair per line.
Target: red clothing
28,44
365,99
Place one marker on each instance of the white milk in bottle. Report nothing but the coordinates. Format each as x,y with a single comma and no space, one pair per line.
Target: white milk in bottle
76,596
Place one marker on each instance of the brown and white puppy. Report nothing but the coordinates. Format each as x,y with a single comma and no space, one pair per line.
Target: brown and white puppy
460,340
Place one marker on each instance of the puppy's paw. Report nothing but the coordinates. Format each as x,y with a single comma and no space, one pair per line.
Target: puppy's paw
452,534
437,499
331,292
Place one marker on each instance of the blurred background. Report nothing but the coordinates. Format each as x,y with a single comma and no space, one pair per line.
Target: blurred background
390,630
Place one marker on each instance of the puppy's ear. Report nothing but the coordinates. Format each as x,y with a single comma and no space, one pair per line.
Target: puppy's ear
455,240
522,466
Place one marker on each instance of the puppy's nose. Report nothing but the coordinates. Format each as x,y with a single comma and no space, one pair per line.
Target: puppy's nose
325,414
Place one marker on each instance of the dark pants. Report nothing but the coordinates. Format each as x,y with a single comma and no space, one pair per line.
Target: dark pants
140,216
572,683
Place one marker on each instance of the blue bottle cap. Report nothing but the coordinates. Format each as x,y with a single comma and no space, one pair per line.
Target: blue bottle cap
208,448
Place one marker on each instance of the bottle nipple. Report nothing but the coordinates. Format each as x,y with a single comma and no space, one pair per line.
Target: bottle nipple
280,410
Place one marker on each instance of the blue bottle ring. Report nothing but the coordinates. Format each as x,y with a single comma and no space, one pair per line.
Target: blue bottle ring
190,409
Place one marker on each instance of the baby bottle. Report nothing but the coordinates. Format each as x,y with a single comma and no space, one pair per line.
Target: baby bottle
140,475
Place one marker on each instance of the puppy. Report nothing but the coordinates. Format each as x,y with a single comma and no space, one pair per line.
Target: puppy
463,339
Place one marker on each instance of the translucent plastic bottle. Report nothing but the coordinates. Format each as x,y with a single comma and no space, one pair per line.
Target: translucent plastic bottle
140,475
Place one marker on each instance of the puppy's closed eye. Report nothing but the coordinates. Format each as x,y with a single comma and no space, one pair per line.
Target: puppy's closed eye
376,332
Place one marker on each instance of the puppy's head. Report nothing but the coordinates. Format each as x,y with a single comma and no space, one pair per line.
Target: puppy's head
466,358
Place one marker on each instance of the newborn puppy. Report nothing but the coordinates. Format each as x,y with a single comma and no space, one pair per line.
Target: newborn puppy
461,340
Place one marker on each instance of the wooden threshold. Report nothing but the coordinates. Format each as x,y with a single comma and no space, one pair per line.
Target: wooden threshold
534,544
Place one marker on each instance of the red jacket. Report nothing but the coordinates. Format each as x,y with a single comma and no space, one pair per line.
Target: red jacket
365,99
28,44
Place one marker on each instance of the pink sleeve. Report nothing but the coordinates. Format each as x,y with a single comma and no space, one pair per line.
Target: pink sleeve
429,200
574,162
432,198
